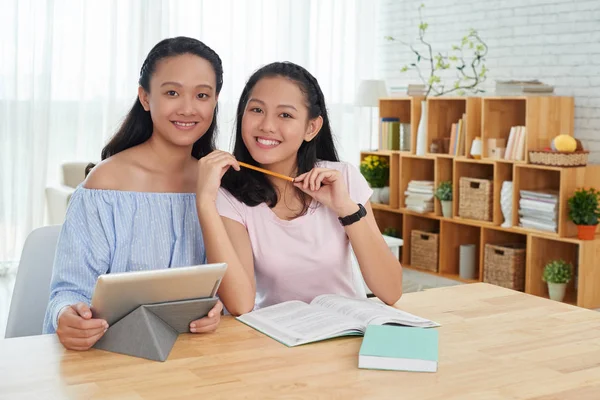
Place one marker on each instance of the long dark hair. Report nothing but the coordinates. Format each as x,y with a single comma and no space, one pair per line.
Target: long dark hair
137,127
253,188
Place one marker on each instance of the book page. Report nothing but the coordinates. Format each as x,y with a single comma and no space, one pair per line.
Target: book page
369,311
295,322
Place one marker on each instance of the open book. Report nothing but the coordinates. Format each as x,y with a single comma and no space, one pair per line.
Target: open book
294,322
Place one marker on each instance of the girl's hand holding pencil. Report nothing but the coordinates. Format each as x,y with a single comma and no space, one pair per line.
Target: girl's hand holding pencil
327,186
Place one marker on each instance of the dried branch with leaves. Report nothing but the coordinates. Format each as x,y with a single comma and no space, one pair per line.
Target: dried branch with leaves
468,59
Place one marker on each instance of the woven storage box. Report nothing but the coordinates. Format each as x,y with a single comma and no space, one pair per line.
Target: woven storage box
559,159
504,265
475,200
424,250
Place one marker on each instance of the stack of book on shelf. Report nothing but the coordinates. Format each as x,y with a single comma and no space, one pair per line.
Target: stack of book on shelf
538,209
419,196
389,134
515,148
523,88
411,89
457,137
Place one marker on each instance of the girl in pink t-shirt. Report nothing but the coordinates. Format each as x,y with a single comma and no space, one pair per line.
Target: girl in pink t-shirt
282,240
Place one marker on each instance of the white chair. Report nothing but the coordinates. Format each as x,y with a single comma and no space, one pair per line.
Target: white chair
359,283
32,286
57,197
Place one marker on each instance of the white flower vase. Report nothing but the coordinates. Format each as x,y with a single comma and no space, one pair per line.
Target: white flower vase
556,291
422,131
375,197
384,195
506,203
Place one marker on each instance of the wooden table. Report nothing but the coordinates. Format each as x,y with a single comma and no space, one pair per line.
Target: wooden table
494,344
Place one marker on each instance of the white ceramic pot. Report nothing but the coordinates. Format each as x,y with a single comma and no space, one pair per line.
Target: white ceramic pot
557,291
384,195
476,148
447,208
376,196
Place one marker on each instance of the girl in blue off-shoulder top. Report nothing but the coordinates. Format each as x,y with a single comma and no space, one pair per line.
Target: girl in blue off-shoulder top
137,208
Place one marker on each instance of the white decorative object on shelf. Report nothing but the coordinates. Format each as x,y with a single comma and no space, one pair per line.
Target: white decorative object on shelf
466,263
422,131
376,196
384,195
476,148
506,203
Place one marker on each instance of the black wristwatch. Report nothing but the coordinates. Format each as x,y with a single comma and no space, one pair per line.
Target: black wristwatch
352,218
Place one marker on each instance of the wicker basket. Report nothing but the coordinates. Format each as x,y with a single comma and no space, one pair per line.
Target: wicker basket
475,199
504,265
559,158
424,250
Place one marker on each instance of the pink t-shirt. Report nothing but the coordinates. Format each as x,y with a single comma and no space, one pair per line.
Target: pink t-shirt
302,258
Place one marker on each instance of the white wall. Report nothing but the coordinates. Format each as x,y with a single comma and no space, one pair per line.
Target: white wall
555,41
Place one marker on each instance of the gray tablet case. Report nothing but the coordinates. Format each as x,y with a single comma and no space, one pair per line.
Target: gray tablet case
150,331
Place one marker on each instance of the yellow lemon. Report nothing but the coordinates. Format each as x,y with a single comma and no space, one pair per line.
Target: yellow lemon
564,143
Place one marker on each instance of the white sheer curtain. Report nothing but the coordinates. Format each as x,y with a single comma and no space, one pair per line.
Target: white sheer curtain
69,69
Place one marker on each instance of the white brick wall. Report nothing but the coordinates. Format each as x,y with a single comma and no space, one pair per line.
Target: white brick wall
555,41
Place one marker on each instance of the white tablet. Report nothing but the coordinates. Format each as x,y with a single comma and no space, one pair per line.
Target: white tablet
116,295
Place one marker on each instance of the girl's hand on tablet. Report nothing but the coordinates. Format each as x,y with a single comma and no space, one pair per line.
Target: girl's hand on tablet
210,322
77,330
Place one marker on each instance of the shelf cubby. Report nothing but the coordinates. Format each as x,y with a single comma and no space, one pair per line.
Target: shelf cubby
547,117
444,111
415,168
410,223
387,219
541,251
407,110
453,236
393,158
498,116
528,177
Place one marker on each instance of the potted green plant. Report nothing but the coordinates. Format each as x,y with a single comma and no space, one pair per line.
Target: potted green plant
584,211
444,195
557,273
376,170
393,232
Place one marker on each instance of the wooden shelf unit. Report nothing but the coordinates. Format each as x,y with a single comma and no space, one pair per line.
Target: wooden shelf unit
492,117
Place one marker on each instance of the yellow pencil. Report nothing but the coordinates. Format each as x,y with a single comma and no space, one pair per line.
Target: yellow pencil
266,171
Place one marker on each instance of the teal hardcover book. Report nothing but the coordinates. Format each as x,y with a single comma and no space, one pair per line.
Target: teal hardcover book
399,348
